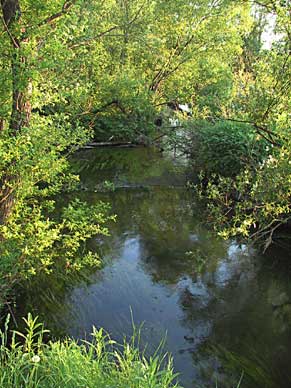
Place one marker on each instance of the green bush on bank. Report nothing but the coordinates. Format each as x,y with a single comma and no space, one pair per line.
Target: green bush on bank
256,203
245,182
33,363
224,147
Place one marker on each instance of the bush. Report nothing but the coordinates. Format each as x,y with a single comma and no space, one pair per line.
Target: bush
256,203
244,181
224,147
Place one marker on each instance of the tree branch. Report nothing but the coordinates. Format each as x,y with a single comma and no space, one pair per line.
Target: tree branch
88,41
65,8
270,7
14,41
259,128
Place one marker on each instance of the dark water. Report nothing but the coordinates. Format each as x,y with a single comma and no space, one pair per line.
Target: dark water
162,268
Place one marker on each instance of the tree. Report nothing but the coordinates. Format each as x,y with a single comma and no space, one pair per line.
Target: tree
34,147
157,53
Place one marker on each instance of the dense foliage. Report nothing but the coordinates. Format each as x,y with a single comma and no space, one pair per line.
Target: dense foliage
34,147
34,168
126,59
224,147
73,69
242,152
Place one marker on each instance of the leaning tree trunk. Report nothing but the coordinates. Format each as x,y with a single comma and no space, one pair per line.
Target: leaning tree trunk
21,108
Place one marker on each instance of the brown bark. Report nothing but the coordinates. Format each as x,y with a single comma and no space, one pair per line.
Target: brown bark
20,107
6,198
11,11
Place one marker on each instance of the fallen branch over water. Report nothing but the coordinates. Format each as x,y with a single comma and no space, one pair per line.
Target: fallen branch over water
110,144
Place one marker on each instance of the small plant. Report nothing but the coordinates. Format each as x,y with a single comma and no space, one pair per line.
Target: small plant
199,258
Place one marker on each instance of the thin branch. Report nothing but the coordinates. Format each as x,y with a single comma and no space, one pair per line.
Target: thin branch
268,7
65,8
274,100
259,129
136,15
177,52
13,40
88,41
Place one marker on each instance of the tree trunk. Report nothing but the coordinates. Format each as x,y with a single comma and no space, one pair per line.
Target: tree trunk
11,11
7,198
20,109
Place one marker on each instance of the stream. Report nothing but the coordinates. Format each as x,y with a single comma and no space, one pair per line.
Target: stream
165,271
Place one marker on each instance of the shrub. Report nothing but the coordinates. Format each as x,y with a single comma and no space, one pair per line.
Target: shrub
224,147
256,203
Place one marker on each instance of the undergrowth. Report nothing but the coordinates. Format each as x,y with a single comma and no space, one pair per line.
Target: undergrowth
27,361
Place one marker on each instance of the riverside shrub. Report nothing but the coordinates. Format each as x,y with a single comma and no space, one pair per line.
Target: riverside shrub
224,147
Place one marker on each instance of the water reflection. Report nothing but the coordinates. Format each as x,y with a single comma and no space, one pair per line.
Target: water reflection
228,302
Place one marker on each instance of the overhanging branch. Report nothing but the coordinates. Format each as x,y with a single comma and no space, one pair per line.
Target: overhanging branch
266,133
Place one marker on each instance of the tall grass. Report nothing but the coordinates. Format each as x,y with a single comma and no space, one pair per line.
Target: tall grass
26,361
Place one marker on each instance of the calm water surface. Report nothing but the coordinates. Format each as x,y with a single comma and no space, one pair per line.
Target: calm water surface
166,270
